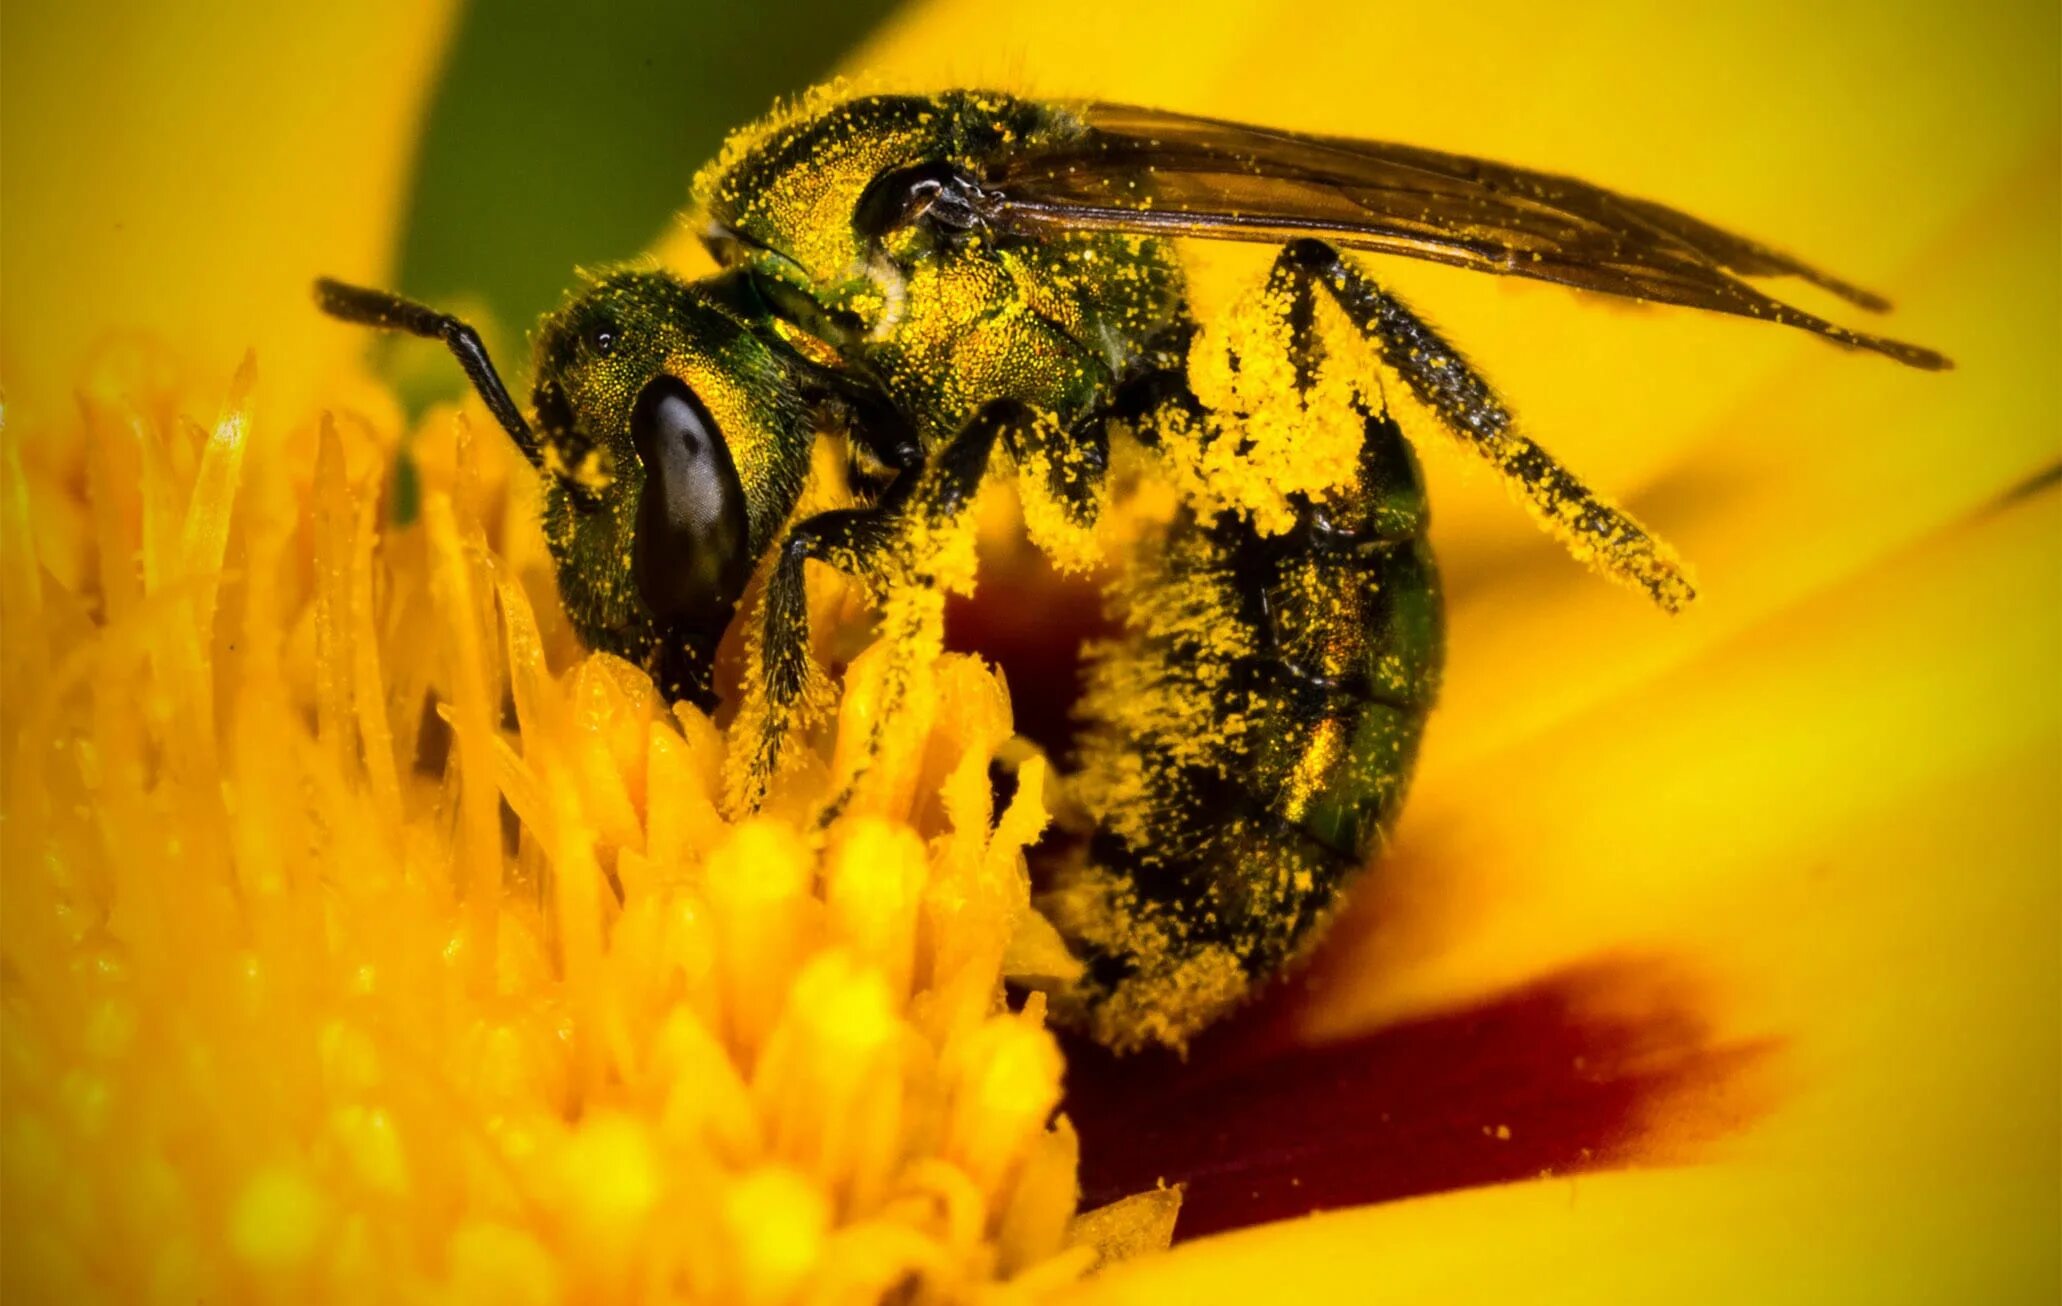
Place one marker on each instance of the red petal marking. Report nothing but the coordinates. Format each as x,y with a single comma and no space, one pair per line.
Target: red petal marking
1602,1066
1031,621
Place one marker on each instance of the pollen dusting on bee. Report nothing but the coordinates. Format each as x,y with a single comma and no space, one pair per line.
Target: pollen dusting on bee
1233,780
1064,500
1249,733
1277,434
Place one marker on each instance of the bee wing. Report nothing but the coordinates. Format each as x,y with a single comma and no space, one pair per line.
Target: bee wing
1152,172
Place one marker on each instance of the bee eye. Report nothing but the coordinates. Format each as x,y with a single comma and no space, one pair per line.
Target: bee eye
603,340
691,557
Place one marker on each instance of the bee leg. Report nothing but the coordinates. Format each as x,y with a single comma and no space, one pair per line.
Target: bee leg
872,544
1444,384
855,541
1163,382
1073,462
948,485
1061,473
876,423
928,559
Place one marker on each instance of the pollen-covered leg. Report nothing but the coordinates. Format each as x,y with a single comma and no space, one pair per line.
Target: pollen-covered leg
786,691
913,547
1062,475
933,554
1444,383
867,543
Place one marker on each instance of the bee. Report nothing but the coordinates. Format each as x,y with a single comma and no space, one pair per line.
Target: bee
971,280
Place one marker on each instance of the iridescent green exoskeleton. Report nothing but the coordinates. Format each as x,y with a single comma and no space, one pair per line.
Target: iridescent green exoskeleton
969,280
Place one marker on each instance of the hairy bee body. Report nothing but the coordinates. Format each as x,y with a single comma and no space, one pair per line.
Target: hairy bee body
1247,744
969,280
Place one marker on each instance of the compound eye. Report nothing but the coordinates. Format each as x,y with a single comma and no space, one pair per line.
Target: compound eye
691,557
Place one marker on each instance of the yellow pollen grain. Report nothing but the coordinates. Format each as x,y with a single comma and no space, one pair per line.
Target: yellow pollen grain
774,1221
610,1164
277,1219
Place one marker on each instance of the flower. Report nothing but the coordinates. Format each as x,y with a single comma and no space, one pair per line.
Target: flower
297,1009
1782,872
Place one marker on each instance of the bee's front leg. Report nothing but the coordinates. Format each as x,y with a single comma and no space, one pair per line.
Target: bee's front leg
882,543
856,542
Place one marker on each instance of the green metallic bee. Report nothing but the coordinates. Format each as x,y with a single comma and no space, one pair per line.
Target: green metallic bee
948,278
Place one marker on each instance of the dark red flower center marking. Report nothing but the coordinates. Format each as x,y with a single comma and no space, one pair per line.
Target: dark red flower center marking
1601,1066
1032,622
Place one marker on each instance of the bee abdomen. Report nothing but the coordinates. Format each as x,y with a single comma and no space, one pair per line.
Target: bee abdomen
1249,741
1354,673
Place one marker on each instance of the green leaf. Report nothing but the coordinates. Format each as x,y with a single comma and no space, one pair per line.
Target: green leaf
564,135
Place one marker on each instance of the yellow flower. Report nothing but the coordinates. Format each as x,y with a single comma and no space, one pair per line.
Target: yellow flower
1757,906
286,1016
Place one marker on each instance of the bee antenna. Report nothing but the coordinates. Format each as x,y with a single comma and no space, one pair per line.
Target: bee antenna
379,308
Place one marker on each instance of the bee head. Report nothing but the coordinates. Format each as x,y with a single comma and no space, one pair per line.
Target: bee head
674,447
673,444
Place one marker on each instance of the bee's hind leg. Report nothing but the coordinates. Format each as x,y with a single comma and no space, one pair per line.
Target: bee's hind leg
1444,384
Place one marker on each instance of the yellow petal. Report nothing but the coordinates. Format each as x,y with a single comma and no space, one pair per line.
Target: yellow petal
189,170
1768,1234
